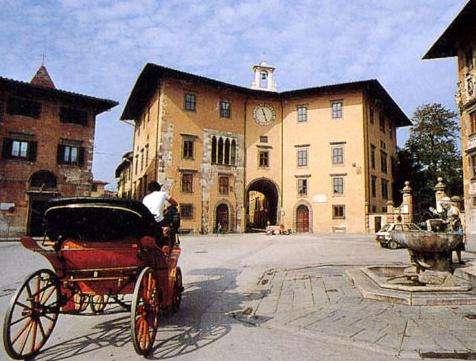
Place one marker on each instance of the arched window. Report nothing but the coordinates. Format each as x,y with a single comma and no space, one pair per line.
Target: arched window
263,80
227,151
214,150
233,152
220,151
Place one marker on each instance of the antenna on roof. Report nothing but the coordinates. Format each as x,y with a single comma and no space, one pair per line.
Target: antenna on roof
43,56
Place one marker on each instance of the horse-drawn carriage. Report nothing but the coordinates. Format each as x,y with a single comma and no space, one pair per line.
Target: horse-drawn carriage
100,249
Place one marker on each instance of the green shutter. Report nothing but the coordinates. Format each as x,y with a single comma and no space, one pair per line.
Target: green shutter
60,154
7,148
32,146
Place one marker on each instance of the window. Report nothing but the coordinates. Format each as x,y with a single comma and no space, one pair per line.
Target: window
302,113
263,139
373,186
381,121
338,155
473,164
142,159
472,119
384,189
382,145
187,149
338,185
187,182
186,211
190,102
372,156
75,116
338,211
223,184
302,157
264,159
302,186
371,115
70,154
383,161
146,155
390,130
25,107
336,109
137,164
19,149
225,109
263,80
374,209
223,151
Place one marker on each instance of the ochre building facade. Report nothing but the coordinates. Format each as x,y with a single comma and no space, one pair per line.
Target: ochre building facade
238,159
459,40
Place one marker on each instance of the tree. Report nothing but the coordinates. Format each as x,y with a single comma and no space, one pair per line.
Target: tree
431,151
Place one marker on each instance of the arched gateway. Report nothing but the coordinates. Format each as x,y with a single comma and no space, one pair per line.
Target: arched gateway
262,199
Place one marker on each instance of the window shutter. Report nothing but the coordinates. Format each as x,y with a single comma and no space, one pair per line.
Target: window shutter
60,154
32,146
81,156
7,148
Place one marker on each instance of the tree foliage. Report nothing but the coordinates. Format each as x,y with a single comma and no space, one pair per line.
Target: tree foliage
431,151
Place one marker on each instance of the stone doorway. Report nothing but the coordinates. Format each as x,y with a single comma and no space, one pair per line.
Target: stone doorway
302,219
262,199
222,218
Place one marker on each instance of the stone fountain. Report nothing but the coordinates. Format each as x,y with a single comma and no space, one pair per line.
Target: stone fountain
431,278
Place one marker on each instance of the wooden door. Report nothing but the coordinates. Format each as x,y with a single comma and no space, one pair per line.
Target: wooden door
222,218
302,219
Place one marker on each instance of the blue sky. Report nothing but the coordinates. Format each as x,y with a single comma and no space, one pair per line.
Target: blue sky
99,47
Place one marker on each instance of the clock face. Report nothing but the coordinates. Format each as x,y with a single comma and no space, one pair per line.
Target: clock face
264,114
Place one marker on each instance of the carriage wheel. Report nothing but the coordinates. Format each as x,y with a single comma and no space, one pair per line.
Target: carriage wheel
145,312
81,302
178,289
32,315
99,303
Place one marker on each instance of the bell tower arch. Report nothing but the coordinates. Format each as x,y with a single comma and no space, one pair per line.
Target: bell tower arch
263,77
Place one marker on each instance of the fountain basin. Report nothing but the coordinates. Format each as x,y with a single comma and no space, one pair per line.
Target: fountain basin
428,241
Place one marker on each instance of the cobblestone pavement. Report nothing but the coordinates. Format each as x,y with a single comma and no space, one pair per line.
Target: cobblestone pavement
322,301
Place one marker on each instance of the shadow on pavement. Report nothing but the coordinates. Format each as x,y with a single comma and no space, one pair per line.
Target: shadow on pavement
204,318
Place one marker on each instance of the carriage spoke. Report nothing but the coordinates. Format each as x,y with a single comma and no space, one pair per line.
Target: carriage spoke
23,305
33,340
19,320
49,294
28,290
21,332
27,336
42,330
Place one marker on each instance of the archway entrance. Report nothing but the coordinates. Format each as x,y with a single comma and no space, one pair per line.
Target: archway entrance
222,218
261,204
42,187
302,219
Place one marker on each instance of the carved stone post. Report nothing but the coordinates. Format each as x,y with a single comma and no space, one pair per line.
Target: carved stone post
390,212
440,193
407,203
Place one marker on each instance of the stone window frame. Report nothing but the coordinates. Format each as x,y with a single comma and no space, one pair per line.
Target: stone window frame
263,159
225,112
338,211
335,158
190,101
384,188
65,150
223,150
302,157
338,185
302,186
371,114
373,186
472,123
223,189
383,162
189,207
337,112
472,162
373,161
302,113
186,185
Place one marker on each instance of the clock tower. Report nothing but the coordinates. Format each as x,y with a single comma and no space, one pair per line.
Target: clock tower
263,79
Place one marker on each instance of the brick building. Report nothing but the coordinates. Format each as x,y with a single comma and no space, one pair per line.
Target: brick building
236,158
47,138
459,40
